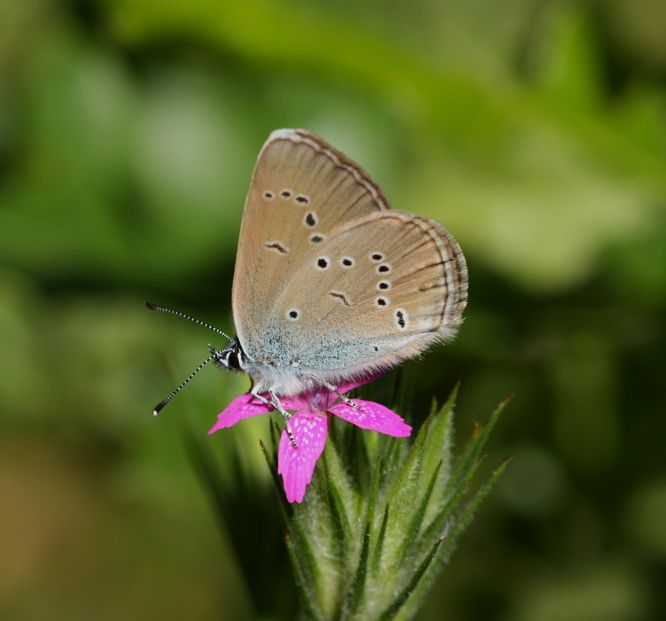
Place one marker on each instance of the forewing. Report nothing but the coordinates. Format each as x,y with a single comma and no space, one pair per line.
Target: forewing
301,189
378,290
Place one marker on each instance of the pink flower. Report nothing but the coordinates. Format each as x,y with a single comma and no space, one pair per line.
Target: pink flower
309,424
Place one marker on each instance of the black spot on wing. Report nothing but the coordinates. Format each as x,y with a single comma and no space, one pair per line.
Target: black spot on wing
277,246
340,296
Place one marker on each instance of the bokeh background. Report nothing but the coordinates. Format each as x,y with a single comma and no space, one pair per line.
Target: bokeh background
535,130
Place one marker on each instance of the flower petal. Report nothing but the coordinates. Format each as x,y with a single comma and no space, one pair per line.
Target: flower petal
345,388
367,379
300,402
373,416
241,407
296,465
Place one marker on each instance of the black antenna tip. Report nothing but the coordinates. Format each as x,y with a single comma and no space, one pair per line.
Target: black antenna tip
160,406
152,306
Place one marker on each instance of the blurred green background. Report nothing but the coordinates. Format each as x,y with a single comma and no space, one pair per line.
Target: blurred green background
534,130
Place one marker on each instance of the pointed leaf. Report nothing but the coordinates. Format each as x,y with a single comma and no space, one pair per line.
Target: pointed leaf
357,587
306,595
451,538
438,445
399,601
337,470
472,452
379,546
470,509
438,522
411,536
394,454
464,471
342,534
411,465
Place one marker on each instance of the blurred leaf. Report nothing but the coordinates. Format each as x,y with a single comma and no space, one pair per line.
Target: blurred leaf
569,67
597,593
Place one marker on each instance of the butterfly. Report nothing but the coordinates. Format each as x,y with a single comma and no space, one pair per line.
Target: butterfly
331,285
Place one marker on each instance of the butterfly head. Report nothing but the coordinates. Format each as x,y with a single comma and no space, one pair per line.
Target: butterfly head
232,357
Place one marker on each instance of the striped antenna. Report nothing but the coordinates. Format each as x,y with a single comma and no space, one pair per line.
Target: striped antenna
162,404
171,311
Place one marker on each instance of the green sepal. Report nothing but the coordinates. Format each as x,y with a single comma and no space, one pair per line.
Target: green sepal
393,609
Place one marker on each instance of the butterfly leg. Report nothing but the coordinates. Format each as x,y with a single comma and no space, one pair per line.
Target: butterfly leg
346,399
275,403
286,415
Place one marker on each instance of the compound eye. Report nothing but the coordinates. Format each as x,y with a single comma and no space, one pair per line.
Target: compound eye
233,361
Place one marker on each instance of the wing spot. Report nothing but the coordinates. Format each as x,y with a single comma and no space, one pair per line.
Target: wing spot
277,246
376,256
376,348
311,219
286,193
316,238
293,314
268,195
401,318
323,263
382,301
384,268
383,285
347,262
302,199
340,296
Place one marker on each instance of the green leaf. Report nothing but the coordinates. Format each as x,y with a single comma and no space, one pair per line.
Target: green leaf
271,462
300,550
470,509
307,597
399,601
379,546
411,537
438,445
342,534
451,538
474,448
462,475
570,71
357,587
438,523
410,467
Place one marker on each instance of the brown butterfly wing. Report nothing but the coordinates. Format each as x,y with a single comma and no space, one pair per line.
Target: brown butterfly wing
301,189
379,289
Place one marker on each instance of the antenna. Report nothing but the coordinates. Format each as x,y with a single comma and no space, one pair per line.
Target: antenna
162,404
171,311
